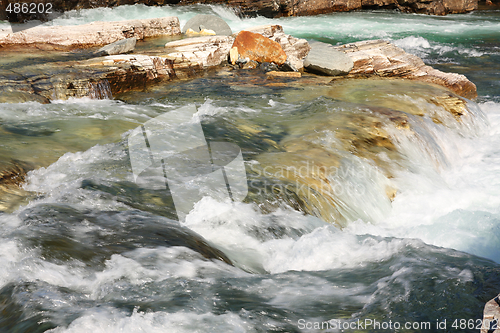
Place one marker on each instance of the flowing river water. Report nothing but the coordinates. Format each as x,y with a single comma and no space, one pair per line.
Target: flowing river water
369,200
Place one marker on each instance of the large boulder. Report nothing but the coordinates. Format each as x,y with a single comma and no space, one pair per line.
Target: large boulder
256,47
208,22
92,34
295,49
381,58
325,59
122,46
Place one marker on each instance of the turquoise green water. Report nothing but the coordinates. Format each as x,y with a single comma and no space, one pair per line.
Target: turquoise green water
91,250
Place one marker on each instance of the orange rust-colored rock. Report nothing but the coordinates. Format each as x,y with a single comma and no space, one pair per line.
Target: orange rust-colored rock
275,74
259,48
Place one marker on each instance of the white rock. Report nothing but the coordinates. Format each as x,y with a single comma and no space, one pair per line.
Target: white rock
325,59
207,51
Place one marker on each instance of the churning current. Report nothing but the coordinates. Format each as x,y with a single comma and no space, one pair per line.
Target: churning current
411,234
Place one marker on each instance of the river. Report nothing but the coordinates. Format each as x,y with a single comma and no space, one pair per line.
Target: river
409,236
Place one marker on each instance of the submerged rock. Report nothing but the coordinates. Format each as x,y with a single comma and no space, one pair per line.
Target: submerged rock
122,46
21,97
364,118
12,176
12,173
92,34
256,47
208,22
324,59
109,233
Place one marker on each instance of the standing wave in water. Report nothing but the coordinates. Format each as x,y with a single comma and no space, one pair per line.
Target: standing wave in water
411,235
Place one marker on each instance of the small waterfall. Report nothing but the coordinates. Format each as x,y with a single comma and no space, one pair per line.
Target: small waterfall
100,90
345,162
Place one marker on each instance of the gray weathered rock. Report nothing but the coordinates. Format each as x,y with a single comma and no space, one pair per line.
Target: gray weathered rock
325,59
122,46
210,22
92,34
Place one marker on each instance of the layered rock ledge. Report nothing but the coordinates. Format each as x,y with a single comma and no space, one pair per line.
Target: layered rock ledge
103,77
90,35
381,58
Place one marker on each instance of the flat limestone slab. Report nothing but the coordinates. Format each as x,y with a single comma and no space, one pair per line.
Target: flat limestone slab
325,59
92,34
122,46
207,51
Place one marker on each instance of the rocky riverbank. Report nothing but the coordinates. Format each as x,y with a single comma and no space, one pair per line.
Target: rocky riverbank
280,8
88,74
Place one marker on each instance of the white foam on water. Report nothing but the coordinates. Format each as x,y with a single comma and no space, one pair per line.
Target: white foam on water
271,242
460,207
114,321
425,49
9,255
77,108
327,248
239,229
132,268
61,181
